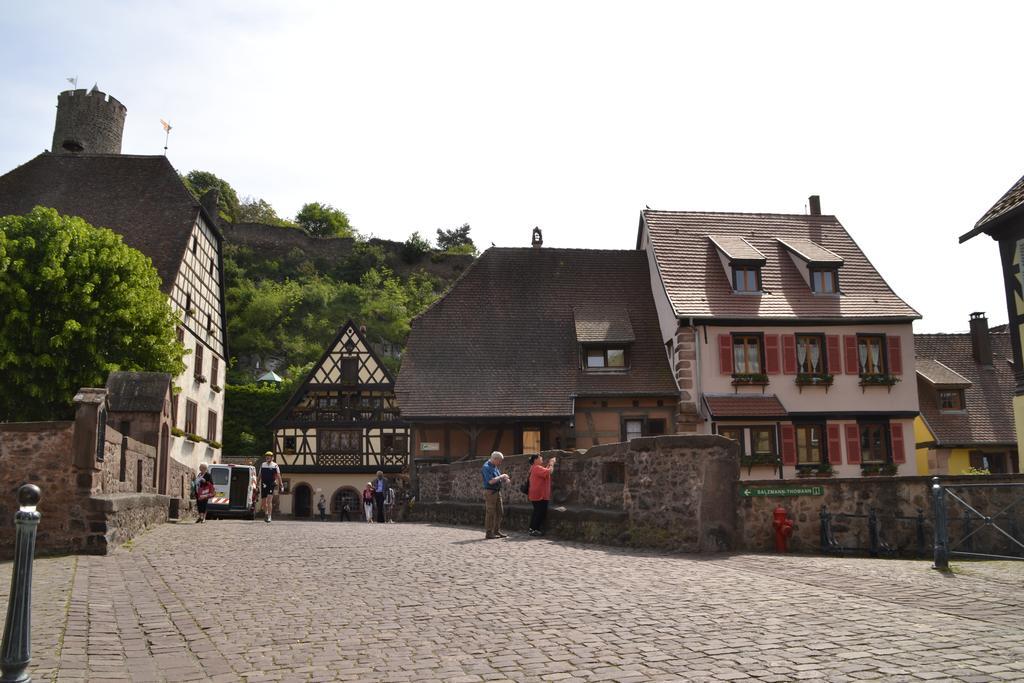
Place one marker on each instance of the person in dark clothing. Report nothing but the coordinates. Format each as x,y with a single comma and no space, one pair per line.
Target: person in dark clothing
380,491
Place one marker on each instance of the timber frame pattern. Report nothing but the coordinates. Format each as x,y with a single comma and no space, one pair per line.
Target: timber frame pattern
344,416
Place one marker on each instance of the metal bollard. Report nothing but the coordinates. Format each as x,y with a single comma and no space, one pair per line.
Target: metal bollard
941,556
16,651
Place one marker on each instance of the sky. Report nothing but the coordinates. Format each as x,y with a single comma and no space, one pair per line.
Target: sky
570,116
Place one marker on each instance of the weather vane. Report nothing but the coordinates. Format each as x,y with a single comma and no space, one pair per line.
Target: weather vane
167,131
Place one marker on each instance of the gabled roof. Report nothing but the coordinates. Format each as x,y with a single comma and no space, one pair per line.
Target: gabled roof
350,342
603,325
137,392
139,197
502,342
1009,203
747,406
988,418
698,287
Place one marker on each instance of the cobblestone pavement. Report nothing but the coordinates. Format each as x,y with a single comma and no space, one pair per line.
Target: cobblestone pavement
230,601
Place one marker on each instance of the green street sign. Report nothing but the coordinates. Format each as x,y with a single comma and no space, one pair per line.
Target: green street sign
788,491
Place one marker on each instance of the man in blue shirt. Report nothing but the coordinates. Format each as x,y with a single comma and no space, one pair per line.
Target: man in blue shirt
380,489
492,481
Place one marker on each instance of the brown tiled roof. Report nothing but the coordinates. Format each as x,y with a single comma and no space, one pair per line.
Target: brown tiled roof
699,287
139,197
1009,202
502,341
736,248
137,391
937,374
811,252
988,419
744,406
602,324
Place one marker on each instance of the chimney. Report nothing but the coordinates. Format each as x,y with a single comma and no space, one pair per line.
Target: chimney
538,239
814,202
980,342
210,201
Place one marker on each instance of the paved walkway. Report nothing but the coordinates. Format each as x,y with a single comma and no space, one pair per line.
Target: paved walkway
230,601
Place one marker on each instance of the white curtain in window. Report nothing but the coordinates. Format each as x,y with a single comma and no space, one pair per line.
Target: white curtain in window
753,359
815,354
737,355
862,350
876,350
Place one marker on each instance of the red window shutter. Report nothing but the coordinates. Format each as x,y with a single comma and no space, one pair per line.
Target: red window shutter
899,456
771,354
835,446
852,364
852,444
788,445
788,354
895,354
835,354
725,353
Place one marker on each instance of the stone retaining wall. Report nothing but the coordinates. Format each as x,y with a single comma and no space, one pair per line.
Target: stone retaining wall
671,492
890,496
86,505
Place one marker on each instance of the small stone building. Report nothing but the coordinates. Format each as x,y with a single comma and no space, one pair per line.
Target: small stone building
139,407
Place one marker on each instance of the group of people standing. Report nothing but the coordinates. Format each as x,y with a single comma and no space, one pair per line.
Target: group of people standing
379,501
537,489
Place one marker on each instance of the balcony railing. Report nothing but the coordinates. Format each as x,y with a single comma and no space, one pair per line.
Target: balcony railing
345,415
360,460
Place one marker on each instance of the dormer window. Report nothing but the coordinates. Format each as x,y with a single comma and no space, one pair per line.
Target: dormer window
613,358
951,400
824,280
746,279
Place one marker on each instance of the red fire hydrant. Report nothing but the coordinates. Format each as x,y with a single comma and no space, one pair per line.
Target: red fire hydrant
783,529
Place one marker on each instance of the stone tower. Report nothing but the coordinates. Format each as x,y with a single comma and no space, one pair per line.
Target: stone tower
89,122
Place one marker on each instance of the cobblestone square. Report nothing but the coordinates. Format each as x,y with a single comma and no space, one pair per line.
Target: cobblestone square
299,601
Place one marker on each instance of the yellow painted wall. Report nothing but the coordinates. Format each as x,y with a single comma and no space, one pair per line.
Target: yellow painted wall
921,435
959,460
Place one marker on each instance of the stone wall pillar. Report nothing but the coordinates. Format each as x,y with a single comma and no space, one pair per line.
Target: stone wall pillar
688,418
89,440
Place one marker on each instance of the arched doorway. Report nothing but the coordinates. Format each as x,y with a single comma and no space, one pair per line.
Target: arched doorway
161,460
303,497
351,497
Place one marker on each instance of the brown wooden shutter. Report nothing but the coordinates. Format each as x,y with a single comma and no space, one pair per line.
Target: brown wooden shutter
835,446
852,364
788,354
899,455
834,351
852,444
895,354
788,445
725,354
771,354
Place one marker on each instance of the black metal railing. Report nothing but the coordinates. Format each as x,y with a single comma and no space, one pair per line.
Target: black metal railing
346,415
1005,542
883,537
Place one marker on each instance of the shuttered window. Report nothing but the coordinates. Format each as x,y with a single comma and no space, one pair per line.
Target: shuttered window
809,449
871,354
874,443
746,354
810,354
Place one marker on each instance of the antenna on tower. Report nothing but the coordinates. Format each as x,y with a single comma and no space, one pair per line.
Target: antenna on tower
167,131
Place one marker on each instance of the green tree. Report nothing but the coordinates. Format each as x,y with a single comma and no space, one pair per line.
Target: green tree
254,210
415,248
323,220
75,304
456,240
200,182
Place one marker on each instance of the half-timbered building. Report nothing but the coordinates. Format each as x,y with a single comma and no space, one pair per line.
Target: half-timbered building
340,426
143,199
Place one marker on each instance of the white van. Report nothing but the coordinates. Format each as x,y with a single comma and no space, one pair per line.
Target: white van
236,494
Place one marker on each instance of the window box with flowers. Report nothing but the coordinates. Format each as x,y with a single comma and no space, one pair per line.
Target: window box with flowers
877,469
805,379
195,438
217,388
201,379
755,379
814,470
215,444
177,432
885,380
